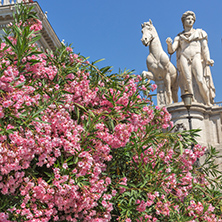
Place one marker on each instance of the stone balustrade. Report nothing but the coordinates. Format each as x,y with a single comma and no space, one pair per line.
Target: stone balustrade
11,2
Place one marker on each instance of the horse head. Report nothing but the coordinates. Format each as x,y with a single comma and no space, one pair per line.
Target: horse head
149,32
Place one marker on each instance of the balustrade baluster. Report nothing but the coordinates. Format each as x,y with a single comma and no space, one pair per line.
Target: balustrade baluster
12,2
6,2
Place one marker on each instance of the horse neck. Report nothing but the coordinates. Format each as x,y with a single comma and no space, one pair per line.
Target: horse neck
155,46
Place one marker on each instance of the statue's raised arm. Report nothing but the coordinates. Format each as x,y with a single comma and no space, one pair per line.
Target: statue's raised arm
172,46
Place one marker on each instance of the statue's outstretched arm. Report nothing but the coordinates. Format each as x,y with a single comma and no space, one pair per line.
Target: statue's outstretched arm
172,46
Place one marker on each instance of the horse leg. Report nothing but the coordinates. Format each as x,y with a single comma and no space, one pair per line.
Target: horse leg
147,75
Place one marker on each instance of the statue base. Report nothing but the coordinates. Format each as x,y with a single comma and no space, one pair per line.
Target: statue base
206,118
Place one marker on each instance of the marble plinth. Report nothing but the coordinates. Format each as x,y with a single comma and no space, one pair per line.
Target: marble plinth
206,118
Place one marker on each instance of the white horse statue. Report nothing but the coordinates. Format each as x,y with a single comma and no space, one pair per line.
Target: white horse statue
160,69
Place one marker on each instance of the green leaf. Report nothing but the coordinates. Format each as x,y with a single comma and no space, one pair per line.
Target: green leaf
99,60
35,39
9,42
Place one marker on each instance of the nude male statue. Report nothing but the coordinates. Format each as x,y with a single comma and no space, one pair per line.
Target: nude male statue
193,58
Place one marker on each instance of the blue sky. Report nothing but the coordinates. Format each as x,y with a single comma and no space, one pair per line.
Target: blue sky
112,29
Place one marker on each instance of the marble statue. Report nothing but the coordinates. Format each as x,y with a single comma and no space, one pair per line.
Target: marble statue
160,69
193,60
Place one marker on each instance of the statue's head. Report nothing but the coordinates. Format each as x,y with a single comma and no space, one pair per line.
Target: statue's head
188,13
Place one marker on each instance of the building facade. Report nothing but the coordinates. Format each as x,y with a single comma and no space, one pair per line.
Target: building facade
49,39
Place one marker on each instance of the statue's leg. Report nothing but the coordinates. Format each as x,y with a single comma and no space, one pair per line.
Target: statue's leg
181,81
186,73
174,82
167,83
197,68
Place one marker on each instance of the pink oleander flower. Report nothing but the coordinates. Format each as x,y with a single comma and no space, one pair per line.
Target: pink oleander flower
69,49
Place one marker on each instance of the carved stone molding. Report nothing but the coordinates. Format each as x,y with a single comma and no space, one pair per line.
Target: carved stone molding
179,127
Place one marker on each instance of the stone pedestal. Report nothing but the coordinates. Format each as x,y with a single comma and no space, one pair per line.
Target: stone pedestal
206,118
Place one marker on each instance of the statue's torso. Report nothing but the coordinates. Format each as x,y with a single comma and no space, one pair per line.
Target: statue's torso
190,49
190,45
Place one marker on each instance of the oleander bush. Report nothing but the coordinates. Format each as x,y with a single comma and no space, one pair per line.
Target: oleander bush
80,143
